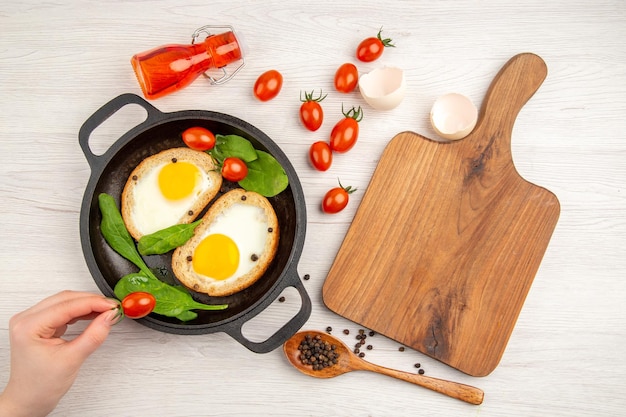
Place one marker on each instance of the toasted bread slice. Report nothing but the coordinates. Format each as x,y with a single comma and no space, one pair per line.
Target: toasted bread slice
255,221
144,208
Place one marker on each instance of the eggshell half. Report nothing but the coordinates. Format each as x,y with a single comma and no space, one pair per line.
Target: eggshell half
383,88
453,116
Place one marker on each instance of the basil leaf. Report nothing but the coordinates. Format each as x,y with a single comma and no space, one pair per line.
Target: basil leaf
171,301
115,233
233,145
167,239
265,176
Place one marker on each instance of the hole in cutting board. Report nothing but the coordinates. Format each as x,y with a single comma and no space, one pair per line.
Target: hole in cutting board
267,322
110,130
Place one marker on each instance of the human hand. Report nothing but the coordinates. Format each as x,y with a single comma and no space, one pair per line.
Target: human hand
44,365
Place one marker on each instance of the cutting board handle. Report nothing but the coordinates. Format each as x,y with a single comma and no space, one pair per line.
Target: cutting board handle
511,88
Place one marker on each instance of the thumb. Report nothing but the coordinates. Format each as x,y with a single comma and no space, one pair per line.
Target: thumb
95,334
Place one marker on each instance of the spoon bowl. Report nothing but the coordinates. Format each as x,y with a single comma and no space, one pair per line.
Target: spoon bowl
347,361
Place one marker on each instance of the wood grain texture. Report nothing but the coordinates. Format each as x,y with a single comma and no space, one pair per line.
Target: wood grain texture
450,235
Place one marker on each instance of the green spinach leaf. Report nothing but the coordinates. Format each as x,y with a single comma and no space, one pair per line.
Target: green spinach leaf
233,145
265,176
115,233
167,239
171,301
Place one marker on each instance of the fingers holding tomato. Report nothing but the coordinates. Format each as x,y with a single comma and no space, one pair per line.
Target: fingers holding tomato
138,304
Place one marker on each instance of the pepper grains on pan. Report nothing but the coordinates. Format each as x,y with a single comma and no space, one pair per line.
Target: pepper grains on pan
318,353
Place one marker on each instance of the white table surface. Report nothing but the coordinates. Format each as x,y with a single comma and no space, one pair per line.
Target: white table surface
62,60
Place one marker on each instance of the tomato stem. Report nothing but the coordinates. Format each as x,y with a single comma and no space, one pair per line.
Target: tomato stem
349,189
353,113
309,96
387,41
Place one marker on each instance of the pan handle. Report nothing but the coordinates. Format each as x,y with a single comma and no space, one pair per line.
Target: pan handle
106,111
285,332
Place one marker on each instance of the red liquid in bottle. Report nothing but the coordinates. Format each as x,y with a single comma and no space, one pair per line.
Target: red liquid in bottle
168,68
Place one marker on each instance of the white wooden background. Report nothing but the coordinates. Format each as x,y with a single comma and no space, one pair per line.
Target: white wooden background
61,60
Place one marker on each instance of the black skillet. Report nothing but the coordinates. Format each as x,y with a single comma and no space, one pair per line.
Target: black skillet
109,173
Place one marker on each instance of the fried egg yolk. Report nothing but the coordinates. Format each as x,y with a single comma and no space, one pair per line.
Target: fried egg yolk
217,256
178,180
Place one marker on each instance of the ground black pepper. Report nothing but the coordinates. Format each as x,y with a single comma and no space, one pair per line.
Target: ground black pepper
189,258
329,329
281,299
346,331
243,198
306,276
270,230
421,372
254,257
174,160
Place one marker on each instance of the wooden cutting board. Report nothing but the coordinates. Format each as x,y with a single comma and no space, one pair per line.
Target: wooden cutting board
448,237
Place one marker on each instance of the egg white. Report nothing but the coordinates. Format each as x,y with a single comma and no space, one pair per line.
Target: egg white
247,226
152,211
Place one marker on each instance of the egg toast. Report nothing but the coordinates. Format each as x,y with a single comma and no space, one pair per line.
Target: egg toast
232,247
168,188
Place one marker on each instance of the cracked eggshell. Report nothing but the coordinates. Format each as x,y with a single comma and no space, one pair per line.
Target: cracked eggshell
453,116
383,88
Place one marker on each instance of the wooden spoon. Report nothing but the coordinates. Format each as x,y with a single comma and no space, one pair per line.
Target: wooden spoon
348,361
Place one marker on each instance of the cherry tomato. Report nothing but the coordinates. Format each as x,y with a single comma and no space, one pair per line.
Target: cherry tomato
321,155
346,131
346,78
336,199
199,138
234,169
372,48
268,85
311,113
138,304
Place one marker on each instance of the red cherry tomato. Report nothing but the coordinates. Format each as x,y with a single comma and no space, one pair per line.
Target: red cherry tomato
268,85
372,48
311,113
336,199
321,155
346,78
346,131
138,304
199,138
234,169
